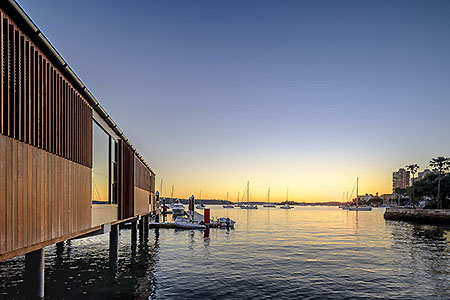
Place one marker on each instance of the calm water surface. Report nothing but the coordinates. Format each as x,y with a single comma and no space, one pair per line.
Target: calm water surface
302,253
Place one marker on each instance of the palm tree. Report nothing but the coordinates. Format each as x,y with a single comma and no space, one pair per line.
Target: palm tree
442,164
413,169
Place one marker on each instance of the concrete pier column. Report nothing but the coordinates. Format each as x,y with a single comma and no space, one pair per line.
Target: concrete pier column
34,274
113,242
146,223
60,246
141,228
134,231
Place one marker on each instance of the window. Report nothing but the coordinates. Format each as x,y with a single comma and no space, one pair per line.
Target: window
100,166
113,170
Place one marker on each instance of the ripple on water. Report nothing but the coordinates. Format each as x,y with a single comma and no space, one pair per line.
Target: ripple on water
303,253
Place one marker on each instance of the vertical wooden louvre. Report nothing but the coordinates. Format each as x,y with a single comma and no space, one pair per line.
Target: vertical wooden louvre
38,106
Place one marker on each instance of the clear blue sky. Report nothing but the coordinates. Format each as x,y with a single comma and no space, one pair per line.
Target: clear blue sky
300,94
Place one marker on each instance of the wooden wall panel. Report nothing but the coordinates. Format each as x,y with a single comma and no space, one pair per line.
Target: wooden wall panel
3,195
34,94
141,201
42,196
142,175
126,202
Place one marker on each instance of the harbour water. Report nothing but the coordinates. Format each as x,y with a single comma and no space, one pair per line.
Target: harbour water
302,253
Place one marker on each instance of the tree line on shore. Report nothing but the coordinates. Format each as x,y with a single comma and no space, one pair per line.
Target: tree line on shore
435,185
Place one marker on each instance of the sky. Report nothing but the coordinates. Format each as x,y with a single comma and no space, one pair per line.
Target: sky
305,95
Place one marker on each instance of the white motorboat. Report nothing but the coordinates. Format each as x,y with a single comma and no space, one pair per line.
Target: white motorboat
185,223
178,208
200,206
249,206
225,222
286,206
360,208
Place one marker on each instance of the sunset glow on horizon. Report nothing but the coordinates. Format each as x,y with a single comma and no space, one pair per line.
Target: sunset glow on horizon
305,95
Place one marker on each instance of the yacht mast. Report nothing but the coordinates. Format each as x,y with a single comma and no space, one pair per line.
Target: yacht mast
357,182
248,185
268,196
171,194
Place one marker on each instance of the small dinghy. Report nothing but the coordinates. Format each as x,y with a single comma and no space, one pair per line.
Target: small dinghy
185,223
225,222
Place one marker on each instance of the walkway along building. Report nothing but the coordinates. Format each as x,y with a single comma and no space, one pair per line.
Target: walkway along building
66,169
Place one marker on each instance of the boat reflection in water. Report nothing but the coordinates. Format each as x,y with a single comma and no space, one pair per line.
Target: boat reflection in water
301,253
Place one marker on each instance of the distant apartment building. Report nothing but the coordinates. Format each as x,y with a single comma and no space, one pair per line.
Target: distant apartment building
387,197
400,179
423,174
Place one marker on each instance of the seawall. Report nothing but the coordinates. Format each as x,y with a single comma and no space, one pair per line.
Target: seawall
441,216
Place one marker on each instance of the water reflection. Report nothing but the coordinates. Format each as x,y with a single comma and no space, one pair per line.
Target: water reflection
307,252
84,268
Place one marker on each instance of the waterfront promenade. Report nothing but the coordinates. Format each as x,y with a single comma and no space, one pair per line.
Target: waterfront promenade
433,216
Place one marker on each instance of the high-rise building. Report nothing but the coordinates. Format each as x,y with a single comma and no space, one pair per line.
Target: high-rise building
400,179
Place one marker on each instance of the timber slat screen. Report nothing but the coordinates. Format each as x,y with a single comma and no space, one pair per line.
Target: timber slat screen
127,182
40,196
38,105
45,147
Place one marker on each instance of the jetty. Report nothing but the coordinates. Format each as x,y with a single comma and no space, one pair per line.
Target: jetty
432,216
193,215
67,170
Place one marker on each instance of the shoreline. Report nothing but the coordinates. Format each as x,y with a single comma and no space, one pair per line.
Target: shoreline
432,216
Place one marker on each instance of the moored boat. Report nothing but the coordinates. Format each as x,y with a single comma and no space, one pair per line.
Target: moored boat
225,222
200,206
178,208
360,208
286,206
249,206
185,223
268,200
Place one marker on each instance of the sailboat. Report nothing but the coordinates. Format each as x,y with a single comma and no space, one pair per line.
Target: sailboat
201,205
228,205
357,207
249,206
268,201
346,206
286,206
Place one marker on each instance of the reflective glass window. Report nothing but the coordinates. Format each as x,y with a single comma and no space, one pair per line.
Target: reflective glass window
100,165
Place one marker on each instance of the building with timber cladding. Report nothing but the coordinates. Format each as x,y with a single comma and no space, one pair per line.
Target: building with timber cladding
66,169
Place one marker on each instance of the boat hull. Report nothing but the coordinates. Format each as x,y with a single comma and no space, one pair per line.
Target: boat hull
189,226
363,208
249,207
